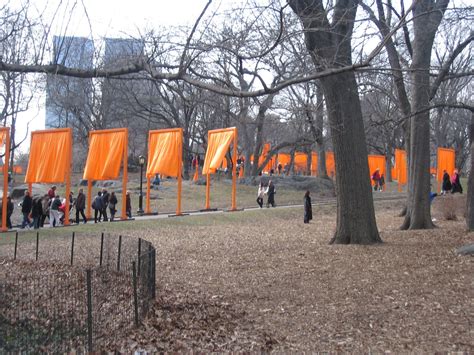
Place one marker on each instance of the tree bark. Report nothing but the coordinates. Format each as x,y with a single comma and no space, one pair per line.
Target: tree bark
427,15
322,171
329,45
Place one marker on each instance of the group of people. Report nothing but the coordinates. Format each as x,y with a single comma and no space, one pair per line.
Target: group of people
105,200
451,183
36,209
268,190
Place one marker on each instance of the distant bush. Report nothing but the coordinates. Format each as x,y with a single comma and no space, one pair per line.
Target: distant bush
450,207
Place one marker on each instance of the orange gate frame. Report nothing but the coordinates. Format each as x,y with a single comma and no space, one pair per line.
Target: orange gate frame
5,133
124,176
234,169
180,167
68,169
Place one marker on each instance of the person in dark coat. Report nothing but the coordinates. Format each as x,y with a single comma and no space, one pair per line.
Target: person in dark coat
26,206
105,203
97,206
456,183
112,204
10,207
80,206
37,212
128,205
308,209
271,194
446,187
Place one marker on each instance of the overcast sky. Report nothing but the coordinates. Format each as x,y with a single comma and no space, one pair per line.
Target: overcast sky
105,18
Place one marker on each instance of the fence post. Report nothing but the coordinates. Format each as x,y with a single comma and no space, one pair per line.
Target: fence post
89,309
119,252
101,248
16,243
37,245
139,254
153,273
72,247
135,293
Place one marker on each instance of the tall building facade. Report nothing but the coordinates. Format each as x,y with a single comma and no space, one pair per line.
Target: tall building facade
68,97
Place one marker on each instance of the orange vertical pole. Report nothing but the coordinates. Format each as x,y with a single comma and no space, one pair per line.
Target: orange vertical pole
208,190
89,199
196,172
234,173
147,195
125,176
180,168
30,188
5,179
68,182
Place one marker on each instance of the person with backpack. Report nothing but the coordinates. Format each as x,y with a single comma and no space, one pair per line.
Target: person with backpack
54,217
376,179
97,206
112,204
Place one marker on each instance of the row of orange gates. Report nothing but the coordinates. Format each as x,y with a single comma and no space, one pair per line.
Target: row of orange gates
51,157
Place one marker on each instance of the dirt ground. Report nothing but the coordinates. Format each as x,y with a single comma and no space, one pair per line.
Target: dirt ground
263,280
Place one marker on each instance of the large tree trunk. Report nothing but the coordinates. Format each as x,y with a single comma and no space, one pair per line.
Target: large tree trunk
355,209
329,43
470,181
427,16
322,171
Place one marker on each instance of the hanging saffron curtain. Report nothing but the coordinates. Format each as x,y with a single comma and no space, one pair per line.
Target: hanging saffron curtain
446,161
3,136
401,174
50,156
164,150
300,161
283,159
314,164
106,150
330,164
263,156
217,146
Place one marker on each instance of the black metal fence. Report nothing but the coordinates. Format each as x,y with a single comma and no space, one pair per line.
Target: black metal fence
78,292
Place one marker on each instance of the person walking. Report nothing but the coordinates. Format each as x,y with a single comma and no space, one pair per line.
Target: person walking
308,208
80,206
112,204
128,205
260,194
26,206
10,207
37,213
45,206
105,203
54,217
271,194
456,182
446,186
97,206
52,192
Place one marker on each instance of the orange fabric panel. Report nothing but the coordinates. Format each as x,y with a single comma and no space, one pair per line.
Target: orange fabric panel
17,169
263,156
330,164
300,161
50,153
283,159
314,164
377,162
401,172
218,143
105,154
3,136
446,161
163,152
